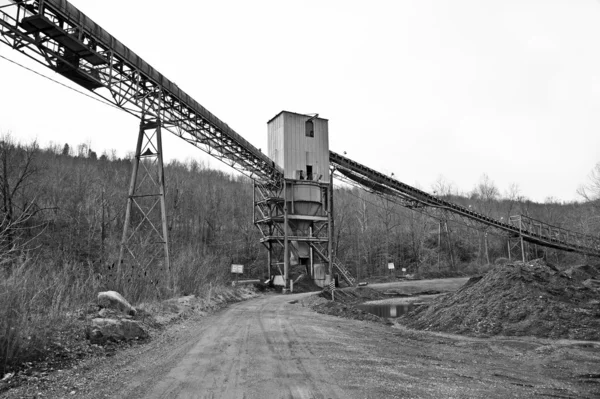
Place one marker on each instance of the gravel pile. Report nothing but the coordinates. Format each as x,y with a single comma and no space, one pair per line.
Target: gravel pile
518,299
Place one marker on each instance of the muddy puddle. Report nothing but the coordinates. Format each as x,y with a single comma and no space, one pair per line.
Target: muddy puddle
387,310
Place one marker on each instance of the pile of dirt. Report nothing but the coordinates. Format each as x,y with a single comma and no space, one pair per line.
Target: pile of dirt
582,273
305,284
518,299
345,301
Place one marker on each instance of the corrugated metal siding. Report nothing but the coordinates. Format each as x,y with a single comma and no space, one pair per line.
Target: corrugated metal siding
301,150
275,140
321,149
291,149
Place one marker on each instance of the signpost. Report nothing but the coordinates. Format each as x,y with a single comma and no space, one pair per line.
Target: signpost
237,270
391,267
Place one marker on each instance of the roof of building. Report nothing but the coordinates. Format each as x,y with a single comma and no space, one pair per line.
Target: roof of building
294,113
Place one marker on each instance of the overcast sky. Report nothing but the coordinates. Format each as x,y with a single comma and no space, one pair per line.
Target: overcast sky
419,88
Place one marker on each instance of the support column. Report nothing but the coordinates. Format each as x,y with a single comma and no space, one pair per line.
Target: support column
286,244
163,203
311,259
330,225
521,240
143,240
439,244
487,253
130,196
269,260
450,245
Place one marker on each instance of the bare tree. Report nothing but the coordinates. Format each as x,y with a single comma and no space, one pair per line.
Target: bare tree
591,191
443,188
17,167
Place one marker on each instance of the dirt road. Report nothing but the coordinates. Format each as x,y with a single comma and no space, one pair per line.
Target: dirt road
272,348
256,349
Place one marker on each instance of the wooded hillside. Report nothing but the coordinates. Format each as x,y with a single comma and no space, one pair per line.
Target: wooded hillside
66,205
62,212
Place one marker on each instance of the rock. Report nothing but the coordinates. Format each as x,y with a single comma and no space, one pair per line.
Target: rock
114,300
103,330
106,313
186,300
592,283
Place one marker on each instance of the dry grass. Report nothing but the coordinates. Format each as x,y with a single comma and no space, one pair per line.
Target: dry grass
38,300
35,298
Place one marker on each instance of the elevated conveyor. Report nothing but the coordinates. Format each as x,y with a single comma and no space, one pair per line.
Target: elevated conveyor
530,230
59,36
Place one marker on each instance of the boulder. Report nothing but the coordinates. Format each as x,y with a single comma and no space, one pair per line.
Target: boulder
592,283
114,300
103,330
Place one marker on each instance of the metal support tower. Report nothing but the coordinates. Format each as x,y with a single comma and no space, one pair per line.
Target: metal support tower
59,36
276,218
517,246
145,231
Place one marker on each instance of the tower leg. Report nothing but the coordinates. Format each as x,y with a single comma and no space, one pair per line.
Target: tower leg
269,260
286,244
143,241
330,225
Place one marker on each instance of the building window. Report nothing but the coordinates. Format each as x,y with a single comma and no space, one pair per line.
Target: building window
310,128
309,172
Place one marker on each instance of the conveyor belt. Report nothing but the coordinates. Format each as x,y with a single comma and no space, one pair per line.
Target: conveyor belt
59,36
531,230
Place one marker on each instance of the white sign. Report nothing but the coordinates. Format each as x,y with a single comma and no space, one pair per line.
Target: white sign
391,266
404,269
239,269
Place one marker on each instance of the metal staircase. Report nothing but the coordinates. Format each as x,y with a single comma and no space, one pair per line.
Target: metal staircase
344,272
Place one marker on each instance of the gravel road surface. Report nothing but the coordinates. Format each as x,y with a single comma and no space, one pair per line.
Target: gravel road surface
274,347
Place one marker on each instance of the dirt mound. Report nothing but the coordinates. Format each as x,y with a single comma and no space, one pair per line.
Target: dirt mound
305,284
583,272
518,299
353,295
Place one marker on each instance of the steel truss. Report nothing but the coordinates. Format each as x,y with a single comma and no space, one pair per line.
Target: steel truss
60,37
272,216
520,226
145,231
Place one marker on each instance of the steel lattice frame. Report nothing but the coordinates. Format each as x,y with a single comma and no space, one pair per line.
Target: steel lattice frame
530,230
59,36
145,237
271,216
